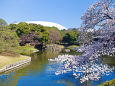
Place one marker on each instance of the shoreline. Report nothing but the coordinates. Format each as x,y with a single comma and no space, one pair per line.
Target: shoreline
15,65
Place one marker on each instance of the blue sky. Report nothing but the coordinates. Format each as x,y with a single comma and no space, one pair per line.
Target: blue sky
64,12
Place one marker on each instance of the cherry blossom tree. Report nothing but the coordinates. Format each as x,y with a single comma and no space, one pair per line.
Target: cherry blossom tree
101,14
98,20
100,17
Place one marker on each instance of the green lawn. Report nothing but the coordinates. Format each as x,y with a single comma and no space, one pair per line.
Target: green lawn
6,60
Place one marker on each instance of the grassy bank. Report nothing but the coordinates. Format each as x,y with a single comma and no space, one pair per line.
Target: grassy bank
55,45
10,57
27,50
6,60
109,83
73,47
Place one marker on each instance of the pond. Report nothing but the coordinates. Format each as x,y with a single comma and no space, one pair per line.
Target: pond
41,72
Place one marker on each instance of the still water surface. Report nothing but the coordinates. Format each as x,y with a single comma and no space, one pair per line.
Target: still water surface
41,72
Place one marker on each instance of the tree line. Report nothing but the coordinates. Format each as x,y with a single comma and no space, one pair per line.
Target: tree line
15,35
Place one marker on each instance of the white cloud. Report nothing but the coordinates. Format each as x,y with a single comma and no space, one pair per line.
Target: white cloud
48,24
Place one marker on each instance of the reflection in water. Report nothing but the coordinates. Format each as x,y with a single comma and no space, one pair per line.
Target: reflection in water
109,60
39,61
67,82
41,72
